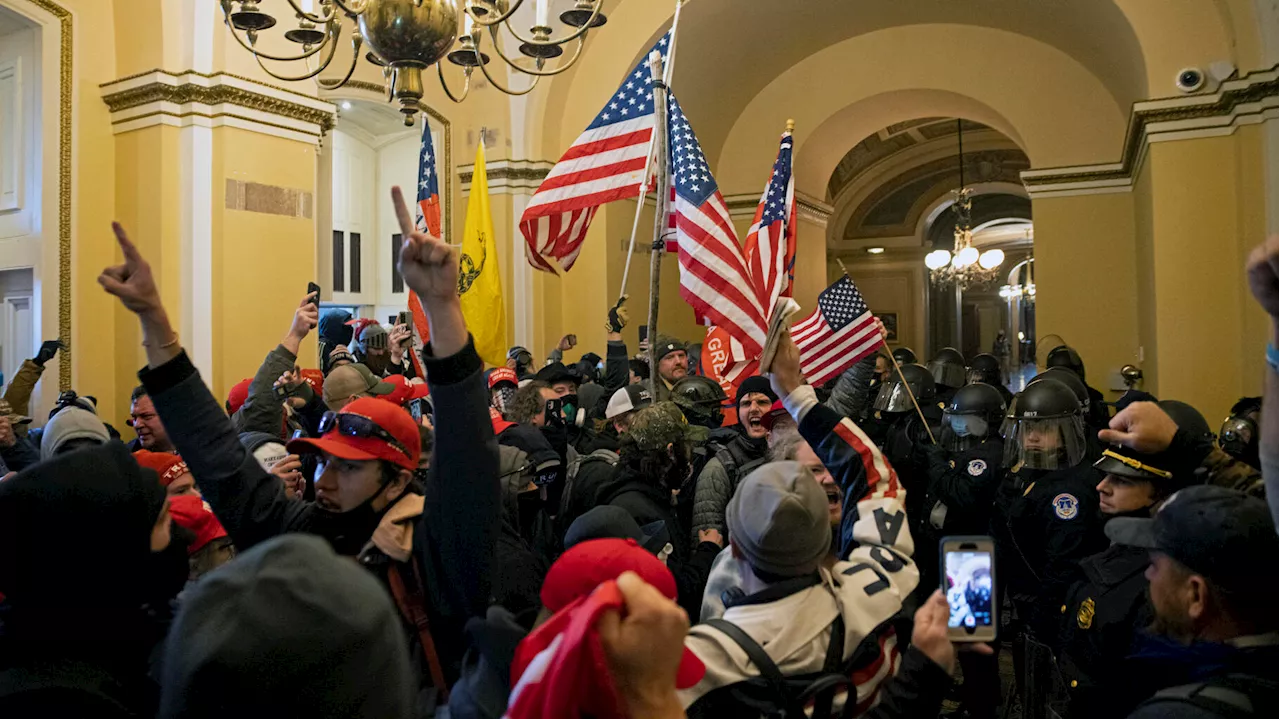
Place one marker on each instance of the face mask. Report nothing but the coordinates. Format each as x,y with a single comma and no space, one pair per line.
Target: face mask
349,531
169,568
502,398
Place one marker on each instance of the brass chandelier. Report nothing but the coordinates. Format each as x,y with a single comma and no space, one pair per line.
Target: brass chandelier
963,267
405,37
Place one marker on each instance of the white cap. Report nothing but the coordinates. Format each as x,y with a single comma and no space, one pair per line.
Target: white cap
631,397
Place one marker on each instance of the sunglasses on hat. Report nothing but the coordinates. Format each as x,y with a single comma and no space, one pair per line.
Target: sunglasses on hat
354,425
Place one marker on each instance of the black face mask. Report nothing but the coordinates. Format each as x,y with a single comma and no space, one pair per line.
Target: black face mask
168,569
529,506
558,437
349,531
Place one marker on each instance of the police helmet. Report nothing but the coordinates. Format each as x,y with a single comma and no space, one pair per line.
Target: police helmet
893,396
1187,418
701,399
904,356
1066,357
972,416
1045,428
1238,437
947,367
1072,381
985,368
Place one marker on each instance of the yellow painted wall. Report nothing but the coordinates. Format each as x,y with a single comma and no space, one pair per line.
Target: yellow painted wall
262,262
1084,271
1145,266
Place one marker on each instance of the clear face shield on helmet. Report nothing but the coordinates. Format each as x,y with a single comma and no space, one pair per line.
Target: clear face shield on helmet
948,374
961,432
1044,443
1236,436
894,396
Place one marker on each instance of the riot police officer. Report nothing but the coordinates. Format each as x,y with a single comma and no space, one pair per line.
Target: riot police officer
1068,358
948,370
897,428
905,356
1047,516
964,475
1238,436
985,368
1081,391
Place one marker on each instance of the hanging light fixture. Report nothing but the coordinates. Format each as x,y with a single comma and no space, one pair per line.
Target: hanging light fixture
405,37
964,266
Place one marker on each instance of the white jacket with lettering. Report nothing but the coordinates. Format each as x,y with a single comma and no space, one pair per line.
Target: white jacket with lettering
868,588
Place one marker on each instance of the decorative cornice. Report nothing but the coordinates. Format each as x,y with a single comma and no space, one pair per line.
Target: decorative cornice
1247,100
159,97
508,175
808,207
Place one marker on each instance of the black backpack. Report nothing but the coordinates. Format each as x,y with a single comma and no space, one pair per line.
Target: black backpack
1232,696
777,696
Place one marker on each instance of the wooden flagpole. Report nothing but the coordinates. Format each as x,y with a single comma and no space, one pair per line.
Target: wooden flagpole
898,367
662,171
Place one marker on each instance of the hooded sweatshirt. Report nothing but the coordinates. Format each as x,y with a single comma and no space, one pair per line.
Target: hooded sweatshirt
338,650
70,424
76,570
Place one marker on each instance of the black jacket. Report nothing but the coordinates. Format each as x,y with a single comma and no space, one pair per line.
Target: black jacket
1161,664
21,455
1044,533
454,540
1102,617
646,502
966,482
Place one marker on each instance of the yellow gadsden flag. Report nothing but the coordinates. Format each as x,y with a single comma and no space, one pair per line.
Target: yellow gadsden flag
479,279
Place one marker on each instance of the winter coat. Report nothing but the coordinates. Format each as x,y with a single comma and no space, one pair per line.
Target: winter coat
453,539
720,477
1160,664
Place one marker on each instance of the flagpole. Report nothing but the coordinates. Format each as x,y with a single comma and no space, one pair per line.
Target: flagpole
898,367
662,171
648,162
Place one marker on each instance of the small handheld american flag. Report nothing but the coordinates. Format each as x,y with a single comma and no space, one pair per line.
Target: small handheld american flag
840,331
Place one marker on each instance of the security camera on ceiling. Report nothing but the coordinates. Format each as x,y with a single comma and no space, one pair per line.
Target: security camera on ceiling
1189,79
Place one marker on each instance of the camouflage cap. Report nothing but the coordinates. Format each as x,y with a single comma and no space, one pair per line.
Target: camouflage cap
656,426
6,411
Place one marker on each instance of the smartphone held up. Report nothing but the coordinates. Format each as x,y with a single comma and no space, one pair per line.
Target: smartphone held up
969,583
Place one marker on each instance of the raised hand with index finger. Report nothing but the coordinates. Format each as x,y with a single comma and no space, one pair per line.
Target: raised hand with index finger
428,265
132,281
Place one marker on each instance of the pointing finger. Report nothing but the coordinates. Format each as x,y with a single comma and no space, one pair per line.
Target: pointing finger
402,211
126,246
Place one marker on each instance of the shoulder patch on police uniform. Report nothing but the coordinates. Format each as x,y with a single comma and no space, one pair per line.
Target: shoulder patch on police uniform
977,467
1066,506
1084,618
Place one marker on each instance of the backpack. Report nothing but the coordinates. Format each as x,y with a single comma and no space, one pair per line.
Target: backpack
775,695
1232,696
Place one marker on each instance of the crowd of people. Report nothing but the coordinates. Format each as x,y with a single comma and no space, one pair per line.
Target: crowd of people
559,538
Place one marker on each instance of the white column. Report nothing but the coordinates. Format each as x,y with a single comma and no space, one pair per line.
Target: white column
521,273
196,209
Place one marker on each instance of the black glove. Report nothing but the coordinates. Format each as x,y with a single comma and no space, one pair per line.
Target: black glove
47,350
618,316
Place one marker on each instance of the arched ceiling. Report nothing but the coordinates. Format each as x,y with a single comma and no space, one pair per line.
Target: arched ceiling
892,142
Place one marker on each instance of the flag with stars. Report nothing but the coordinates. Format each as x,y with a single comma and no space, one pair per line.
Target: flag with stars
771,243
713,273
428,220
838,333
606,163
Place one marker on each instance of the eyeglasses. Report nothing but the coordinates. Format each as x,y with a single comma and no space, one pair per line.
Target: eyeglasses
354,425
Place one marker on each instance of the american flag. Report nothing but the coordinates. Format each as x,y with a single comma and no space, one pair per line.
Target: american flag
771,243
713,274
604,164
428,220
839,332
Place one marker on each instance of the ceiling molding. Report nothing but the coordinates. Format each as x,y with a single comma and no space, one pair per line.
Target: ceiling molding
507,176
1244,101
808,207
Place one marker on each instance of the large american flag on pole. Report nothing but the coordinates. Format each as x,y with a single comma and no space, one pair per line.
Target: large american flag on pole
840,331
771,243
605,163
713,273
428,220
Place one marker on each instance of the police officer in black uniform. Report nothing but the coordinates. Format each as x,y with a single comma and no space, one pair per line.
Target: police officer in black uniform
948,372
1047,516
964,474
1081,390
985,368
905,356
1068,358
896,427
1105,611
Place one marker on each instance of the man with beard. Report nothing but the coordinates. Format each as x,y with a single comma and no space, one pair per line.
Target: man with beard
1213,585
742,447
673,364
435,550
653,462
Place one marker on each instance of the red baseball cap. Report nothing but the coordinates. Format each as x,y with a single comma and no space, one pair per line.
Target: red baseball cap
390,418
776,412
406,391
500,425
315,378
168,466
195,514
502,374
586,565
238,395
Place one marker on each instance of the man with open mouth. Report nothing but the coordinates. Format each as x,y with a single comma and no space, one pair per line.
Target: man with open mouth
741,448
